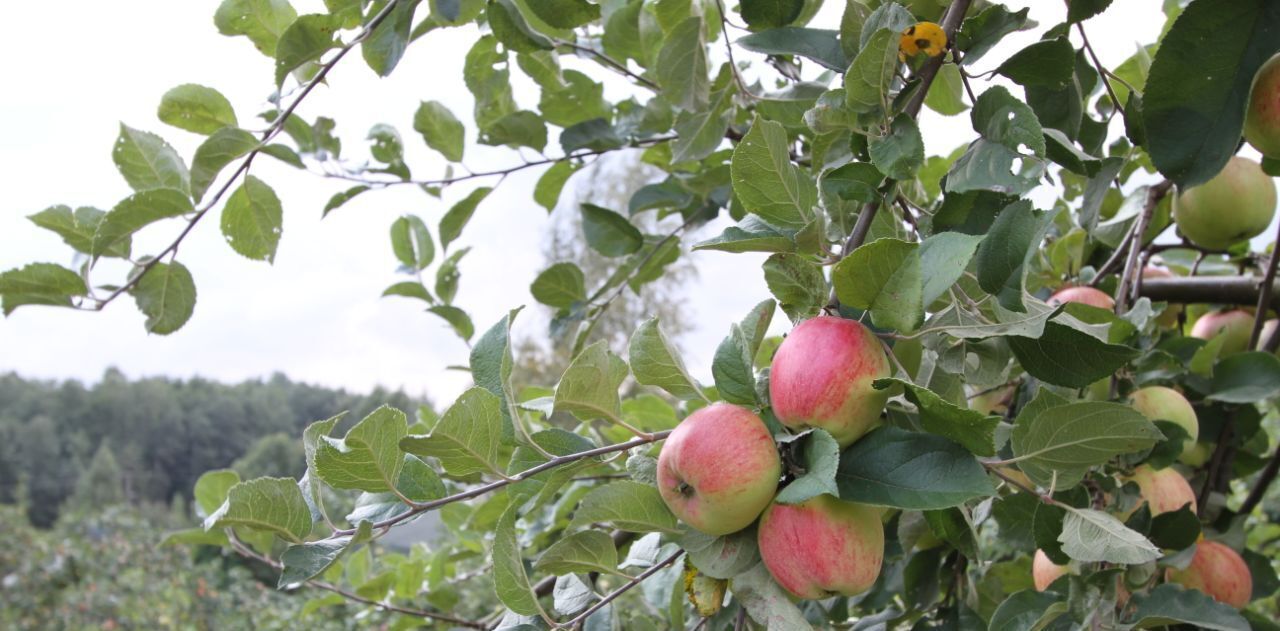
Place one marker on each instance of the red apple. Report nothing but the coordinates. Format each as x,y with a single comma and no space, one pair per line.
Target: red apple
719,469
1083,295
1164,490
1159,403
1235,325
1044,572
822,547
1262,118
821,377
1237,204
1169,317
1218,571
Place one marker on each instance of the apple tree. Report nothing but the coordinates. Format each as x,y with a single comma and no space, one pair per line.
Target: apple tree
1030,384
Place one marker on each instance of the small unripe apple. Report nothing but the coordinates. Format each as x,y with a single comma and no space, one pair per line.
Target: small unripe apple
1169,317
1165,490
1262,118
822,547
1237,204
1085,296
821,377
719,469
1044,571
1199,454
1235,325
1159,403
1218,571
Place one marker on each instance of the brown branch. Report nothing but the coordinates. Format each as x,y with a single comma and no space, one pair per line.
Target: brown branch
1155,194
1265,293
1216,477
1261,485
606,60
1230,290
640,578
1102,71
1127,278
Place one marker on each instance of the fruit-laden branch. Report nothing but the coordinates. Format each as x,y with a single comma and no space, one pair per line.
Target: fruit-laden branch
1229,290
245,551
1154,195
1128,278
417,508
276,127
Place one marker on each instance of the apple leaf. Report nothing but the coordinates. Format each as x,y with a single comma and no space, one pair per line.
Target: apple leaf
895,467
884,277
767,182
305,561
468,438
509,577
368,458
1059,444
655,363
1094,536
1028,609
628,505
1246,378
1170,604
1065,356
766,602
733,366
720,557
273,505
974,430
818,455
586,551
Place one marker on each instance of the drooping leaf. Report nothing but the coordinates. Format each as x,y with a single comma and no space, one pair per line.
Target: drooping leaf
411,242
1246,378
1062,442
217,151
586,551
40,284
628,506
560,286
459,214
196,108
1050,63
895,467
137,211
609,233
767,603
681,68
304,41
973,430
510,579
820,45
733,366
467,439
654,362
167,296
440,129
251,220
589,387
147,162
767,182
305,561
384,47
262,21
866,82
273,505
1091,536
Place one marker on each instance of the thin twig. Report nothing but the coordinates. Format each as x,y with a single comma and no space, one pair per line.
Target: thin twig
606,60
1264,294
1223,454
1154,195
1261,485
1102,72
611,596
733,65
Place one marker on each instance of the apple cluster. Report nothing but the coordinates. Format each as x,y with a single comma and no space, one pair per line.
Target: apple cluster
719,470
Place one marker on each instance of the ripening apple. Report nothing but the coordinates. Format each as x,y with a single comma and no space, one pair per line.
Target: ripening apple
1169,317
822,547
1218,571
1235,325
1044,571
1237,204
719,469
1083,295
1165,490
1262,118
821,377
1159,403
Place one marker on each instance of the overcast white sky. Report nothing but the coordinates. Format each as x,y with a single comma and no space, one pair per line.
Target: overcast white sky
75,69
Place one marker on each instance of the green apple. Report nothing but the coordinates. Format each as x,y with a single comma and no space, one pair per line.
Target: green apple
1044,571
822,547
1262,117
1218,571
1235,325
1159,403
1237,204
821,377
719,469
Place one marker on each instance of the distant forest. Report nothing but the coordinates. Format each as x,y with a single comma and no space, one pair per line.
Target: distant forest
148,440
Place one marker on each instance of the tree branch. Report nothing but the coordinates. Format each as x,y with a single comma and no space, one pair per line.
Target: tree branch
1261,485
1265,293
1230,290
640,578
1127,278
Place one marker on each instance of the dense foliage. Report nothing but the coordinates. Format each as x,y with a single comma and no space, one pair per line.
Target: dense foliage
1004,471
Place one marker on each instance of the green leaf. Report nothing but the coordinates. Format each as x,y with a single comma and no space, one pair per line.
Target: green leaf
272,505
818,457
77,228
1194,102
866,83
980,33
589,387
411,242
490,86
456,219
384,47
973,430
1170,604
733,366
137,211
305,561
820,45
217,151
900,153
211,489
468,438
1002,258
40,284
1024,610
418,482
1000,117
147,162
457,318
440,129
447,276
409,289
629,506
167,296
895,467
511,28
797,284
580,99
608,232
262,21
720,557
586,551
1094,536
763,14
196,108
700,132
565,13
953,527
767,603
943,260
767,182
368,458
560,286
596,135
752,234
509,577
1050,63
1066,440
989,166
304,41
889,16
545,485
549,186
946,95
1175,530
491,363
655,363
681,69
1246,378
251,220
1081,10
1064,356
883,276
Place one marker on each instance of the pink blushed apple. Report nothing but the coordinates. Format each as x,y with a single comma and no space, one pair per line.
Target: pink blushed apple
1085,296
1164,490
1218,571
821,377
1235,325
719,469
1262,117
1044,571
822,547
1159,403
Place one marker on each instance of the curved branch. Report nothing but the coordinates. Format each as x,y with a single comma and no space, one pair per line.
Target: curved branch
640,578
